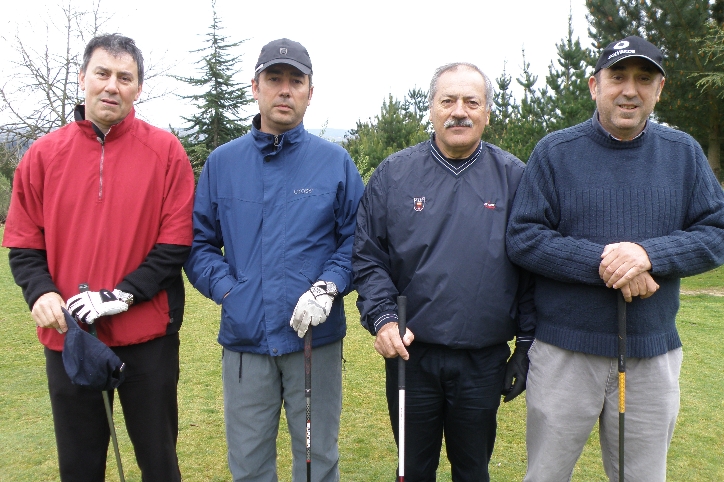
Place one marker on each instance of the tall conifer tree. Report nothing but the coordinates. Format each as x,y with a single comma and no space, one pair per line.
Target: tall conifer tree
679,28
219,117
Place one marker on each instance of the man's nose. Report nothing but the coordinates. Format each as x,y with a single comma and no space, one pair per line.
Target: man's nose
459,110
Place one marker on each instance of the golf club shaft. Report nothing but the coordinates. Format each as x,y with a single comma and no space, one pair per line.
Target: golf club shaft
402,322
109,415
106,401
621,382
308,396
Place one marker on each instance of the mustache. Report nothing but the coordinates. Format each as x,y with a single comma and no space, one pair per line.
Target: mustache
458,123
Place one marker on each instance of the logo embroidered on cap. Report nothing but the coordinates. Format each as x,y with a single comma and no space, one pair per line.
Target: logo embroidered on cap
419,203
283,50
621,45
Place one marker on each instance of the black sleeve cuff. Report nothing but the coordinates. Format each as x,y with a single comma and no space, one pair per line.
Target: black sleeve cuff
30,271
159,271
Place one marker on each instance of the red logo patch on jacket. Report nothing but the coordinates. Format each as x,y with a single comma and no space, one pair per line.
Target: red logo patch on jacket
419,203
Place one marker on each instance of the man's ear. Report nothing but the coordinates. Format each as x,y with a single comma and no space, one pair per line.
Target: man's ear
592,86
255,89
661,88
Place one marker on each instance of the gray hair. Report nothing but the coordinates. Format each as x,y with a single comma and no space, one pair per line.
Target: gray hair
115,44
455,66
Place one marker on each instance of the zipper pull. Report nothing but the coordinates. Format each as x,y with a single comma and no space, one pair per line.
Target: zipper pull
276,141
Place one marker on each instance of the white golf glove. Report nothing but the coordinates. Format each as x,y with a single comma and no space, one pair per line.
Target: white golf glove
313,306
88,306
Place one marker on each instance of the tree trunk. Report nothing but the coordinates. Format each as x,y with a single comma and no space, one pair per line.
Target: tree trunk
714,151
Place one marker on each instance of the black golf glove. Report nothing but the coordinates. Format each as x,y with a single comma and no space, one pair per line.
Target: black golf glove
517,369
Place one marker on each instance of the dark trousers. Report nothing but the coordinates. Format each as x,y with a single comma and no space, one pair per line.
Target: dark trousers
150,408
450,392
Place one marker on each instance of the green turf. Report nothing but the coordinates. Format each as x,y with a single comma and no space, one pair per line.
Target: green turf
368,453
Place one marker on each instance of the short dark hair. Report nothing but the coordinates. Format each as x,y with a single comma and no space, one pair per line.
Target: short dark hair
258,74
115,44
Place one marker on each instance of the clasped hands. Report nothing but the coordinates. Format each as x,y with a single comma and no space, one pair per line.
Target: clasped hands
86,307
626,266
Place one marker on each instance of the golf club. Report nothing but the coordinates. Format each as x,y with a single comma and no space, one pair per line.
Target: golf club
308,396
106,401
402,322
621,381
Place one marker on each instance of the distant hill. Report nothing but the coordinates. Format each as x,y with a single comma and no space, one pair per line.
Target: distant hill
334,135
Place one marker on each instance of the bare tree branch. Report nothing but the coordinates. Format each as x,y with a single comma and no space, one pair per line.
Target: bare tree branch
42,89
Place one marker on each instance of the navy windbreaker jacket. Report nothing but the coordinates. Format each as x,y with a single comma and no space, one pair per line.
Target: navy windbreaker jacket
434,231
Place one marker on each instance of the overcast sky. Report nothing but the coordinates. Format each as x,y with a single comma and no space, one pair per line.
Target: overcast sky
361,50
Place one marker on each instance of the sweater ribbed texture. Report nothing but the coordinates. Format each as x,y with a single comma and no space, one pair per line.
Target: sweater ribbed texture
582,190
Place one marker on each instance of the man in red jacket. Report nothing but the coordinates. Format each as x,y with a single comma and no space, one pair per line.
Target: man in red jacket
106,201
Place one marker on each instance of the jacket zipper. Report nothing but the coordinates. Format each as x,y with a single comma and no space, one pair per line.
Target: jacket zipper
276,141
100,180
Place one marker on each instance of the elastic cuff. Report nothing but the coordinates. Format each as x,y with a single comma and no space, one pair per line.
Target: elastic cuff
524,342
223,286
383,319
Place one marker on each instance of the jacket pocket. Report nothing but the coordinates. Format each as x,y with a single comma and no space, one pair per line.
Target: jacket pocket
241,314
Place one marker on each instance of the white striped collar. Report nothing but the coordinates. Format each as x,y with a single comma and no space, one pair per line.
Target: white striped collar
458,166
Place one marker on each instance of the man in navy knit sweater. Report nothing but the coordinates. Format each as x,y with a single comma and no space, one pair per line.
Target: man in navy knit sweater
616,203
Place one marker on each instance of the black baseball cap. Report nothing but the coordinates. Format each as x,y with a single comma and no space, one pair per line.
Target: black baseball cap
630,47
284,51
88,361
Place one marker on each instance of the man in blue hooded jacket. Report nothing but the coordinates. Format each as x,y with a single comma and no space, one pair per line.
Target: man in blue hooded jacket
274,222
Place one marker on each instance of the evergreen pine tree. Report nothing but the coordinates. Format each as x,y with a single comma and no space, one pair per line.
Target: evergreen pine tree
530,118
219,117
504,111
400,124
679,28
569,101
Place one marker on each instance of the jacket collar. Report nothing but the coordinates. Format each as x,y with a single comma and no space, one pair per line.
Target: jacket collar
91,130
270,144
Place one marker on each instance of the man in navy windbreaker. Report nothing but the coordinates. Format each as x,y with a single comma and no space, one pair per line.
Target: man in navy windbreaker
274,222
431,226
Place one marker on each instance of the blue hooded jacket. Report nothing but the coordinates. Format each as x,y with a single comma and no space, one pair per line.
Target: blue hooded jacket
272,215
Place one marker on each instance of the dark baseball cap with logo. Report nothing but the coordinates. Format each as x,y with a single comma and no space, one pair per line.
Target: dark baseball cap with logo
284,51
630,47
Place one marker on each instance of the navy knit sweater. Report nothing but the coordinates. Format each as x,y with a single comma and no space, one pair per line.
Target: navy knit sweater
582,190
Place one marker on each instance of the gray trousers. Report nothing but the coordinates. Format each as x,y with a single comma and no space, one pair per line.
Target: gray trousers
256,386
567,392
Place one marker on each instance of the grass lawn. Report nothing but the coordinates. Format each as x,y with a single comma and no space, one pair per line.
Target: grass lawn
368,453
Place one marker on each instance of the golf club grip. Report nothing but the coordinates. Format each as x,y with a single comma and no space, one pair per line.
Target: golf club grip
621,334
82,288
621,311
402,324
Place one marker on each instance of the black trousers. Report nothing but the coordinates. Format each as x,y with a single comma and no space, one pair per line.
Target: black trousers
450,392
148,397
